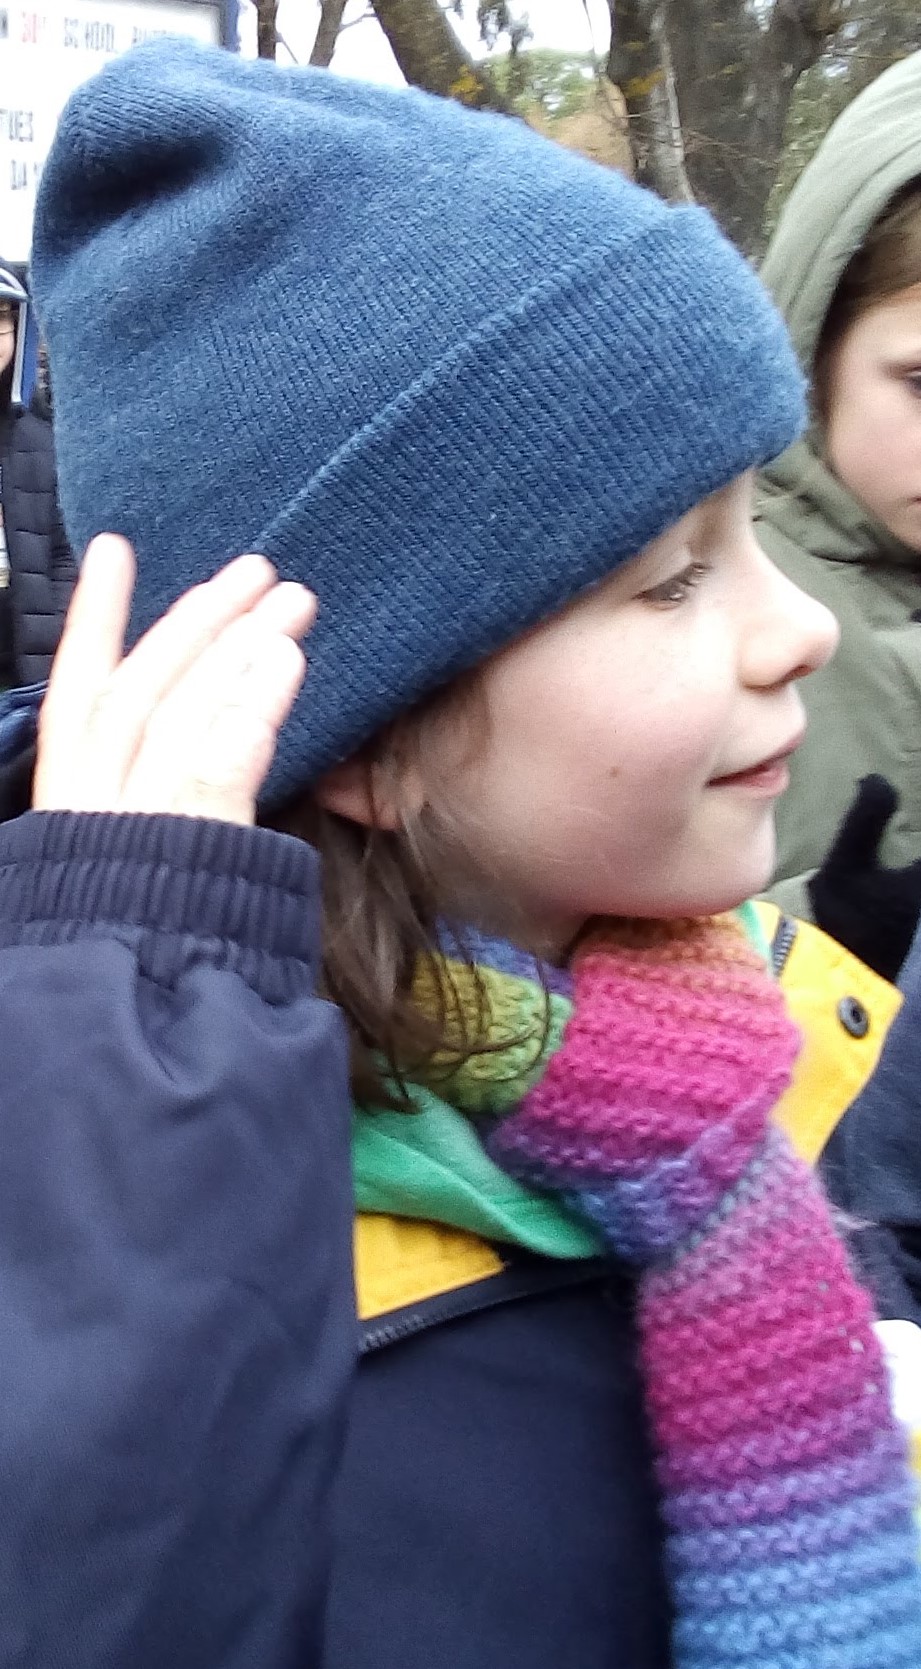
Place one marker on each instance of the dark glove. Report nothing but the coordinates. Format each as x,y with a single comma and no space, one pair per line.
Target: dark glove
870,910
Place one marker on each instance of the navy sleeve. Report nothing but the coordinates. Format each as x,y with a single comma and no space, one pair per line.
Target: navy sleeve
176,1313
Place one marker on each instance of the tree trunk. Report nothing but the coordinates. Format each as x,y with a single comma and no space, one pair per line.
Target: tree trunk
735,71
327,33
640,64
431,56
266,27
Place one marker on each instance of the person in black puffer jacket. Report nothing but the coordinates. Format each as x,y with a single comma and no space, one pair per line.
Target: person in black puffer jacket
37,569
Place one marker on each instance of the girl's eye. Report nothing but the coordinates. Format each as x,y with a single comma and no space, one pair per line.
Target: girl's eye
677,589
913,379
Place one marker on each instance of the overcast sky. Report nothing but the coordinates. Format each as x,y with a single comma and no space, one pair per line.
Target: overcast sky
363,51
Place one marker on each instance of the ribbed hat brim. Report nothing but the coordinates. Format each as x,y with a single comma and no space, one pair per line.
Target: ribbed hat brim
580,387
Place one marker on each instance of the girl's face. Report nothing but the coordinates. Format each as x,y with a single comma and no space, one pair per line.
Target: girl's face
636,742
873,432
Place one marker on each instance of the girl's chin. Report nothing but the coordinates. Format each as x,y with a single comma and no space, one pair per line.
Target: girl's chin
749,877
713,891
721,899
711,900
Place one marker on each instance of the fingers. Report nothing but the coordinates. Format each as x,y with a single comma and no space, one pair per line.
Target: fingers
288,608
240,742
171,646
189,720
92,642
210,743
857,841
90,650
165,654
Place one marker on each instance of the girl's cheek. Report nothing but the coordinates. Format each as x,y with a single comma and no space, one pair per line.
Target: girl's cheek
673,742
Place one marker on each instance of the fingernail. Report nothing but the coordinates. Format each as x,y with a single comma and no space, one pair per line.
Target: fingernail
303,606
106,547
299,596
251,565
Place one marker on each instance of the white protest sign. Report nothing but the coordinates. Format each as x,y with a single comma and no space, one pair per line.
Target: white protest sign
46,50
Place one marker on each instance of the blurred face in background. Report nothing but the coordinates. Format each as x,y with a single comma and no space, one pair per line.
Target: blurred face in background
873,427
8,311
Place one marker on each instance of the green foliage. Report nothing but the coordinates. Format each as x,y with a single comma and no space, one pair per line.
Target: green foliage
560,84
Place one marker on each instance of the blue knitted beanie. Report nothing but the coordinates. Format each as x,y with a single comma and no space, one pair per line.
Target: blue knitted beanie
438,368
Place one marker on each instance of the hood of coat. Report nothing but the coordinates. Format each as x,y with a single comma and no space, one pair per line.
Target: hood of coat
870,153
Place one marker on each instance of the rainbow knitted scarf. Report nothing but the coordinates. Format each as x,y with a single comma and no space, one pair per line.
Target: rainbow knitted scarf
786,1491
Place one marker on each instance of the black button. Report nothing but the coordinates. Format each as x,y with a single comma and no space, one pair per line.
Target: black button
915,615
854,1017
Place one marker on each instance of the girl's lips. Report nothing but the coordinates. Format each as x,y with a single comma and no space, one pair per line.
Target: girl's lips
771,776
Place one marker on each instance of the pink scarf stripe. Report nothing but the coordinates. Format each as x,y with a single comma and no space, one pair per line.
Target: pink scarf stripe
766,1389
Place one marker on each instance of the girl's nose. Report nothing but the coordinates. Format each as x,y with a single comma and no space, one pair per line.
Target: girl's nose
790,633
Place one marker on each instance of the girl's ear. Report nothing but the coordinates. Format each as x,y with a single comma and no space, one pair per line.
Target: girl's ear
360,790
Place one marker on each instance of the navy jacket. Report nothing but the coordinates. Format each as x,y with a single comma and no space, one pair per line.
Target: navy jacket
872,1164
42,569
204,1462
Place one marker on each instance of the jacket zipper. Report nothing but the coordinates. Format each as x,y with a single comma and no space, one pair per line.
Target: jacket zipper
782,944
515,1281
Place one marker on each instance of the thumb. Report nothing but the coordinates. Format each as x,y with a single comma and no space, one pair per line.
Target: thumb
856,844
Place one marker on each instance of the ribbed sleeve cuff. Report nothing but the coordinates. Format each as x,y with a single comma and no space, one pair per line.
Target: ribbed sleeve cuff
172,876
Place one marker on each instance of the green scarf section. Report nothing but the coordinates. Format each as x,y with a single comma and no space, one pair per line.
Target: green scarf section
430,1165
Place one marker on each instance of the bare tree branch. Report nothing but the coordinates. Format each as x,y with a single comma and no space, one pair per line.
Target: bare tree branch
281,41
327,34
591,27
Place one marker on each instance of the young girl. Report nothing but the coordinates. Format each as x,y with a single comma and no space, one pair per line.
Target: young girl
841,513
613,1398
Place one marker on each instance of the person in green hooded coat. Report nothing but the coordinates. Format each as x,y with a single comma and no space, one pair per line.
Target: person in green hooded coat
840,512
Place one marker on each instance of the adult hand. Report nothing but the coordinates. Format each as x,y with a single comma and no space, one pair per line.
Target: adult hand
188,721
